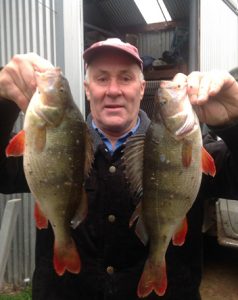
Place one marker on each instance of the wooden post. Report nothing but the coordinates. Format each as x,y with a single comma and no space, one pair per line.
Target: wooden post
6,233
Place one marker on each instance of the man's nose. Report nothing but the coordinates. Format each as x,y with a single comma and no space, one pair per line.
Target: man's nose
114,88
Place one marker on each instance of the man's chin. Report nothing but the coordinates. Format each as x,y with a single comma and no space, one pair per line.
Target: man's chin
114,125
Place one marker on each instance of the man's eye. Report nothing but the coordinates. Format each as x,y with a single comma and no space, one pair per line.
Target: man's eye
102,79
126,78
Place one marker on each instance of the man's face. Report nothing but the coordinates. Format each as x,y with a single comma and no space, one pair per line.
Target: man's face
114,88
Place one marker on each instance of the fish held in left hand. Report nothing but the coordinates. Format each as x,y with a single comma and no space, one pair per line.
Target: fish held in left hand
165,166
57,156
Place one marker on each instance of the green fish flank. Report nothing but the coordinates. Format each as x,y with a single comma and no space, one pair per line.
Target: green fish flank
171,158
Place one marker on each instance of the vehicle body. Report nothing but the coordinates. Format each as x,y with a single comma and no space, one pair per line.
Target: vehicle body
221,215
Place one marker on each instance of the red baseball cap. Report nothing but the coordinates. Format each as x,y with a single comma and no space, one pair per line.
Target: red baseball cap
112,43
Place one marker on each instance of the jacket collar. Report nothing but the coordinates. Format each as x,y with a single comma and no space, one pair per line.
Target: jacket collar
144,124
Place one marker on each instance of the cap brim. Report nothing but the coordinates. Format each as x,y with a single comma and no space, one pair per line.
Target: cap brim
91,53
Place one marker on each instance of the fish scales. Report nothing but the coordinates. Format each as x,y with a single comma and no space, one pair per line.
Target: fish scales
169,173
57,157
68,168
170,158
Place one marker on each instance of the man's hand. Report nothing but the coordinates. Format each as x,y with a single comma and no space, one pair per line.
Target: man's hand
17,78
214,96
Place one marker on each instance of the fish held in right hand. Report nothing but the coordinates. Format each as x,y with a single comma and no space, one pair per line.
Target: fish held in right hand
57,155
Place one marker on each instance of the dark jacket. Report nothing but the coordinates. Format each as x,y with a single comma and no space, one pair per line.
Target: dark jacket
112,255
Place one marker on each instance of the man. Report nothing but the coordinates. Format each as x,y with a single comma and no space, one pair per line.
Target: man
112,255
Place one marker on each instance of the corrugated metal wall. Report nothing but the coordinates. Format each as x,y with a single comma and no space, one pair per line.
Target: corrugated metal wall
155,43
46,27
25,26
218,36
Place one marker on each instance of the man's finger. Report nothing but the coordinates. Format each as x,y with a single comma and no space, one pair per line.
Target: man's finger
193,86
19,98
180,78
204,89
221,80
21,74
39,63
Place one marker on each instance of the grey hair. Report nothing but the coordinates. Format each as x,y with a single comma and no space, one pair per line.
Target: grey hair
86,77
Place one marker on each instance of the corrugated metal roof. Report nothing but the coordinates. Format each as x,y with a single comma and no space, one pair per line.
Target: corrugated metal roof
122,12
114,15
178,9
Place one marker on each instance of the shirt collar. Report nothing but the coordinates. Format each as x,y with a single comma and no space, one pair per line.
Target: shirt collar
120,140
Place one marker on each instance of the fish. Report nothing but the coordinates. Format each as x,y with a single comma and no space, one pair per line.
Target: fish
164,168
57,157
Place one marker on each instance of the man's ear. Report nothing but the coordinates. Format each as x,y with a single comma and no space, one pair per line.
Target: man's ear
86,87
142,91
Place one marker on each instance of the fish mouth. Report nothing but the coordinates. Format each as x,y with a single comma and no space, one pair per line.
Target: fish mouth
48,79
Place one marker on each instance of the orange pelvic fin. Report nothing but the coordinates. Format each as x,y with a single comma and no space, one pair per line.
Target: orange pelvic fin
187,148
136,214
82,210
180,234
140,229
154,278
41,220
208,164
16,145
66,258
40,141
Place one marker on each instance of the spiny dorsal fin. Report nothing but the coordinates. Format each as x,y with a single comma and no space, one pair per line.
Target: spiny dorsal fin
89,155
133,162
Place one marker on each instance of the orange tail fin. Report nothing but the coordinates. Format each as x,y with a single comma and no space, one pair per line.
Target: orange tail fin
208,164
66,258
154,278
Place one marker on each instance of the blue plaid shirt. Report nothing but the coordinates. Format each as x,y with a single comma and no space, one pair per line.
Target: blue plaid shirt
121,139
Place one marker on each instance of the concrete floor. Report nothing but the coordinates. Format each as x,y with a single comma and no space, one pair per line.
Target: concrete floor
220,279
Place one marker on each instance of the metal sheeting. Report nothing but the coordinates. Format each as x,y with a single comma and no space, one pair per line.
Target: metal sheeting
54,30
155,43
21,258
51,28
178,9
117,14
25,26
233,4
73,44
121,12
20,264
218,36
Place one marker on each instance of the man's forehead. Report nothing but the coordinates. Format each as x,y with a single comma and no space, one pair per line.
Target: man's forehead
111,70
114,69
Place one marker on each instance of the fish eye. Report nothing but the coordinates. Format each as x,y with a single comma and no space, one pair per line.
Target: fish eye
163,102
61,89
